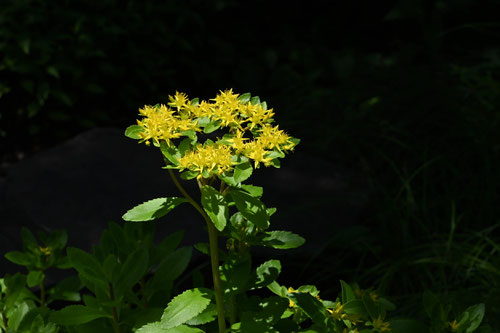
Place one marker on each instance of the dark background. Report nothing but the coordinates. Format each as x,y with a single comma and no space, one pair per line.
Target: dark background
404,94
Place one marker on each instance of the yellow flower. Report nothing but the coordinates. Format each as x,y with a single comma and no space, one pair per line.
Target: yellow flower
238,141
453,325
290,302
272,137
380,325
214,158
337,313
179,100
45,250
256,151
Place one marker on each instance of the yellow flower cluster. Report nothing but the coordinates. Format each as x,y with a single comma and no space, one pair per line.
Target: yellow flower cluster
247,124
380,325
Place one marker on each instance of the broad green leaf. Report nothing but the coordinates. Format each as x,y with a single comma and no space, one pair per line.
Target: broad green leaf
34,278
267,273
167,245
277,289
215,205
185,307
20,258
476,314
14,288
157,328
255,100
355,307
29,240
347,292
132,270
313,308
171,267
235,274
212,126
170,152
208,315
77,315
251,208
17,314
89,269
242,172
255,191
133,132
152,209
282,240
370,306
244,98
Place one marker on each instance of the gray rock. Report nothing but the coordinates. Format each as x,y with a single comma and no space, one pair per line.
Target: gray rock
83,183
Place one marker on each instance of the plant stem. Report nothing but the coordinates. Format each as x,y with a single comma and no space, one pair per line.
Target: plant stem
214,252
42,293
116,324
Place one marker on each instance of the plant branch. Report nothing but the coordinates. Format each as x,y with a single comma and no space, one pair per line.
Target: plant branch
214,252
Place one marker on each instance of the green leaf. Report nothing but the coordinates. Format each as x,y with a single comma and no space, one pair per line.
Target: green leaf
251,208
20,258
313,308
347,292
355,307
134,268
242,172
17,314
212,126
29,240
254,191
87,266
34,278
282,240
152,209
133,131
208,315
185,307
476,315
244,98
77,315
157,328
170,152
267,273
255,100
215,205
53,71
171,267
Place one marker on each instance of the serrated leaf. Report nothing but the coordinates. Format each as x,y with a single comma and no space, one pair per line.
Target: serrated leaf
133,132
170,152
77,315
185,307
156,328
282,240
251,208
215,206
152,209
208,315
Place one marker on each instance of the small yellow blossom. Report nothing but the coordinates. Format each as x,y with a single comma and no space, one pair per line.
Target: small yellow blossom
256,151
214,158
453,325
373,296
179,100
380,325
45,250
338,312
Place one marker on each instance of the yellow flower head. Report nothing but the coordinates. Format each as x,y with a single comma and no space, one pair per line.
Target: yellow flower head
380,325
247,126
453,325
338,312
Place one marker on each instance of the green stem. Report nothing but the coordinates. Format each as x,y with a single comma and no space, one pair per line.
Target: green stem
42,293
214,252
116,324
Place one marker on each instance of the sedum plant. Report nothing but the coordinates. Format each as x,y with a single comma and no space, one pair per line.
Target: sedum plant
218,143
